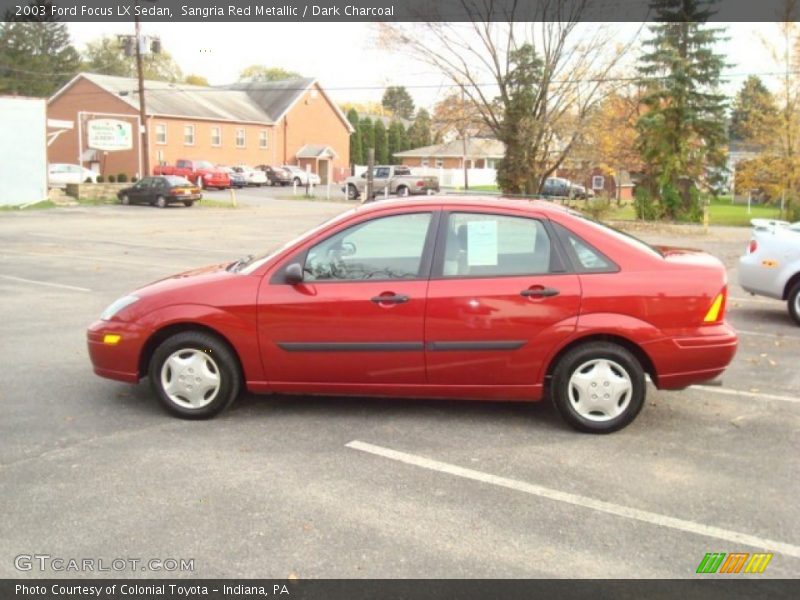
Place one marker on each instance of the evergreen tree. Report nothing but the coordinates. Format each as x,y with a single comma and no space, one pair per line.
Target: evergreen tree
356,154
396,139
381,143
682,131
37,56
367,137
397,99
419,134
752,111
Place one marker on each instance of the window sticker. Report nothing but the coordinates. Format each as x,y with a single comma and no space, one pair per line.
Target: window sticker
482,243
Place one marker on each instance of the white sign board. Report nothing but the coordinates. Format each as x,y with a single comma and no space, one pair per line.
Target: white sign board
109,134
598,182
482,246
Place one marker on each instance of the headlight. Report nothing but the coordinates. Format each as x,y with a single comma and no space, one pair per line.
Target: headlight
117,306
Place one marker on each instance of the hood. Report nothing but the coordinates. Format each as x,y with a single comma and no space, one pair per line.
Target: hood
186,280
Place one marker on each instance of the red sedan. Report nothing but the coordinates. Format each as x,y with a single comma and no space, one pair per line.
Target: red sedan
438,298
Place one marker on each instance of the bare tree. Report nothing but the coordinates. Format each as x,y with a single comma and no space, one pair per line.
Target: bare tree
534,84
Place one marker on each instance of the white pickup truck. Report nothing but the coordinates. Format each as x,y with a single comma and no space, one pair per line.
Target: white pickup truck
397,179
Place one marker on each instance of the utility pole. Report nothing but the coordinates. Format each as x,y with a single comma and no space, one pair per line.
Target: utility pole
144,138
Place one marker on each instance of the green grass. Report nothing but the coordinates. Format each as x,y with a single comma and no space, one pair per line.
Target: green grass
97,201
214,203
38,206
481,188
721,212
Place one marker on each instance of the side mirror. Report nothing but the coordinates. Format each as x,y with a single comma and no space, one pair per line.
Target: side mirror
294,274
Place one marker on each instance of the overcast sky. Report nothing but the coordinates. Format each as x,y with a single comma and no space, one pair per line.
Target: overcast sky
345,57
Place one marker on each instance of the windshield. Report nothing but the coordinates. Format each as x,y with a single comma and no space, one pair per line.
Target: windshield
264,258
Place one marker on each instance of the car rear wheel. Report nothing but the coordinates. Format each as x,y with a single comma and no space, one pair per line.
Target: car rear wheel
352,192
402,191
125,199
793,302
188,203
297,181
195,375
161,202
598,387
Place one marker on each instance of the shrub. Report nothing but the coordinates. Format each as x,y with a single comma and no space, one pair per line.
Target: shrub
87,180
597,208
112,179
100,179
646,208
134,179
122,178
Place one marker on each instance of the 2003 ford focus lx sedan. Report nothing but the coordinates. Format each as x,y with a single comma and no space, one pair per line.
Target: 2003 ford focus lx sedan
481,299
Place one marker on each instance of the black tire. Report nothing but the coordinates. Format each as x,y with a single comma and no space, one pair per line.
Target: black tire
161,202
297,181
793,302
584,359
125,199
215,352
403,191
188,203
352,192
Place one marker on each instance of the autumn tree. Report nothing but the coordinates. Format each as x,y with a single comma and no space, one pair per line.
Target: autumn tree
255,73
534,83
777,171
682,133
106,56
454,115
36,58
398,101
193,79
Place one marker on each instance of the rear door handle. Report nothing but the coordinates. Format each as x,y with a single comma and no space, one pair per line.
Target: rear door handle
390,299
539,292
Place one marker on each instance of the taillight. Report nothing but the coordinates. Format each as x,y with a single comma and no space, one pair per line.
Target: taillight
716,313
752,246
420,183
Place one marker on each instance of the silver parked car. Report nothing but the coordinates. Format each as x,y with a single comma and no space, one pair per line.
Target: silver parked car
771,263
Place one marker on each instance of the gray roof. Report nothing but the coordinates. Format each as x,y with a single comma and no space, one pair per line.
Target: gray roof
316,151
476,148
184,100
273,97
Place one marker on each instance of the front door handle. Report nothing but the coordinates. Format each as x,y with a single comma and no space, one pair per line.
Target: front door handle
390,299
539,292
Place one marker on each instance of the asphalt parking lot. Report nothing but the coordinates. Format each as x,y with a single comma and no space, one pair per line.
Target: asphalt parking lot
339,488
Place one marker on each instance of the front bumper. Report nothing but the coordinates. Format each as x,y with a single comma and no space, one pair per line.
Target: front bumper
118,360
687,360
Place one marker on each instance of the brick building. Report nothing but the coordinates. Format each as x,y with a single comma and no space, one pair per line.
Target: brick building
279,122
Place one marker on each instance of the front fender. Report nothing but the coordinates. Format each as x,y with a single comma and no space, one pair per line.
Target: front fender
239,330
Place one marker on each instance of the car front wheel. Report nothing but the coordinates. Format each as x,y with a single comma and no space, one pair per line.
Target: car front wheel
161,202
195,375
125,199
598,387
793,302
352,192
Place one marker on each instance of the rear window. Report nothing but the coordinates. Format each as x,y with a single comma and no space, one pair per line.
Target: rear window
620,235
173,180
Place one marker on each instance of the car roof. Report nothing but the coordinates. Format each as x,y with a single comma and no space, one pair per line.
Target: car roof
467,202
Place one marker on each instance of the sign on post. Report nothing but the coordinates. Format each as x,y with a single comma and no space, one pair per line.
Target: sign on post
109,135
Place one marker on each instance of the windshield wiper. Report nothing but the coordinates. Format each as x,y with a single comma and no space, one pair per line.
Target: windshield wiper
236,266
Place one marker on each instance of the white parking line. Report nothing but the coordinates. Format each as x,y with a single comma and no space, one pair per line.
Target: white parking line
756,300
74,288
769,335
757,395
727,535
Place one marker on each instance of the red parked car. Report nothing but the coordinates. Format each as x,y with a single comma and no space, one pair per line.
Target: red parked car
435,297
200,172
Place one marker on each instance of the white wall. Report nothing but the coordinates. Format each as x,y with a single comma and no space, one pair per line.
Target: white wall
23,150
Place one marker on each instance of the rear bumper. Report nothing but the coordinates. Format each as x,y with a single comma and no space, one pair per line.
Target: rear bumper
757,278
118,361
686,360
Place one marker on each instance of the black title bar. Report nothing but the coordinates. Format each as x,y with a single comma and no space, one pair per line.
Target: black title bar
337,11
